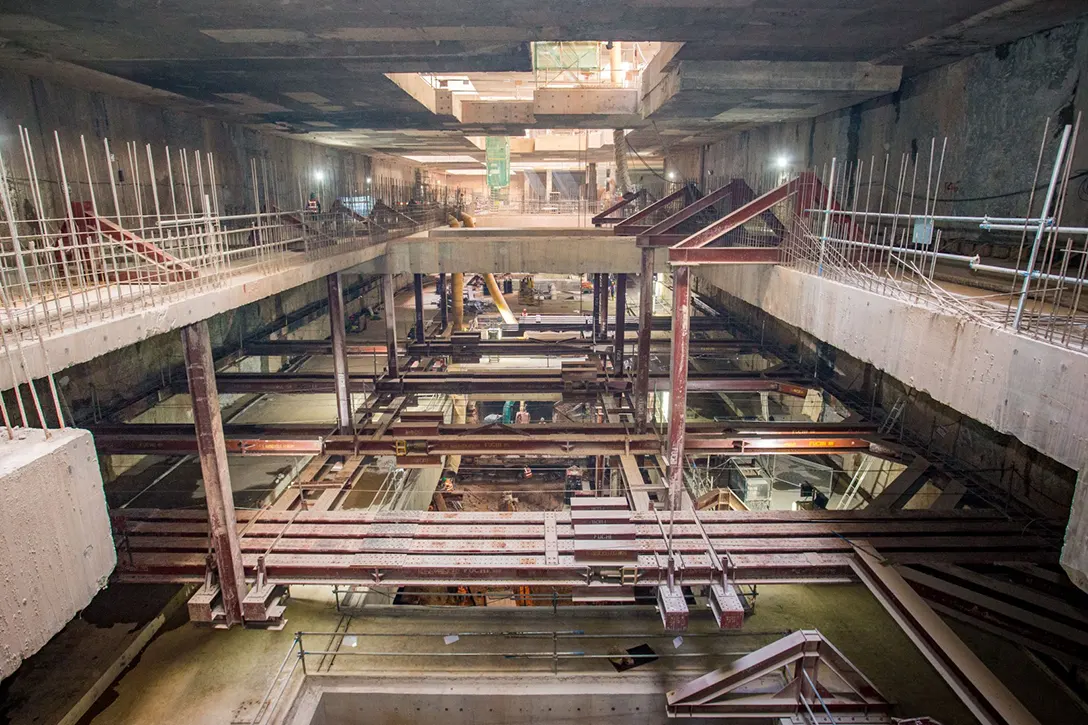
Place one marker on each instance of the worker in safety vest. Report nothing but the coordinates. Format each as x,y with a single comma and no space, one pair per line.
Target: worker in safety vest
313,204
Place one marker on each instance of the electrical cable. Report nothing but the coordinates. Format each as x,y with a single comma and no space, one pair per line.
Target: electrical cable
1082,191
636,153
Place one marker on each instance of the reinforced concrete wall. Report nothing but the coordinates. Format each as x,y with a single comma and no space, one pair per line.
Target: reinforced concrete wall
56,548
293,168
1022,388
991,106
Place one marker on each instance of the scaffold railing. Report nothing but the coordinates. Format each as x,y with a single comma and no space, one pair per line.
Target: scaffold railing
880,225
88,235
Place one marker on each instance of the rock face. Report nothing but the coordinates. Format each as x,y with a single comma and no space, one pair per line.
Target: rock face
56,548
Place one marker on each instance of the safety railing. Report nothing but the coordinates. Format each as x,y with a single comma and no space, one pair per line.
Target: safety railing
57,275
876,226
314,653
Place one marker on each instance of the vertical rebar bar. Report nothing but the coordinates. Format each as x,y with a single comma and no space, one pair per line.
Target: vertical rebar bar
827,220
1041,228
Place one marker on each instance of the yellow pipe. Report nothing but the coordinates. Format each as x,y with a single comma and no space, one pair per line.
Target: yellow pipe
458,293
500,301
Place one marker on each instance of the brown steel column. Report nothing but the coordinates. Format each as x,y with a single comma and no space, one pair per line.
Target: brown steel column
443,302
621,321
417,283
604,308
591,186
212,448
390,323
339,354
458,293
645,323
596,307
678,396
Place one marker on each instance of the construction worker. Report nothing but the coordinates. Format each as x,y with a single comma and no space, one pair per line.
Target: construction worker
527,472
522,415
314,204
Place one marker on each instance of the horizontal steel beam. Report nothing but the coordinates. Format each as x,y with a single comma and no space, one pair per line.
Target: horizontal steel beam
406,439
724,255
532,381
440,346
573,323
508,549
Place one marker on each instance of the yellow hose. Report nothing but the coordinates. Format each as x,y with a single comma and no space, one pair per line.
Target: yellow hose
500,301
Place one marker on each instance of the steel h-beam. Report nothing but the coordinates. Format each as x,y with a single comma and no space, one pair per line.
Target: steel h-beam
988,699
605,279
596,306
388,295
633,224
621,322
645,328
678,395
458,293
443,301
212,450
339,354
417,282
695,249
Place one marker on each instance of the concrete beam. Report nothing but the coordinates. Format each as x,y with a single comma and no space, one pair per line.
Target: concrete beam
58,549
765,91
493,112
584,101
557,251
438,101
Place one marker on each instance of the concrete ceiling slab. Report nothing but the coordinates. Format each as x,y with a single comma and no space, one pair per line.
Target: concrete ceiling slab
260,61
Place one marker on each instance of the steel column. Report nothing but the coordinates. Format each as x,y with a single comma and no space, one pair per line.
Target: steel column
339,354
212,449
604,307
443,301
596,306
390,323
458,293
621,312
645,328
417,283
678,396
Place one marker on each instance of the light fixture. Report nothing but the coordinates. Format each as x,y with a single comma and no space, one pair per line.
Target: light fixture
368,179
319,175
671,175
782,161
